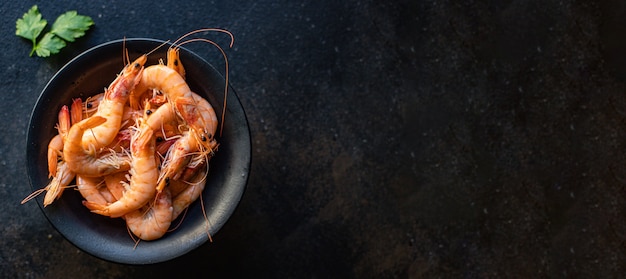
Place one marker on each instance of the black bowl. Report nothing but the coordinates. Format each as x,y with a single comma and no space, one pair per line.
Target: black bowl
108,238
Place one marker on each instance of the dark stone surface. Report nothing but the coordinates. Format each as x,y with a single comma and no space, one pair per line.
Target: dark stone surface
390,138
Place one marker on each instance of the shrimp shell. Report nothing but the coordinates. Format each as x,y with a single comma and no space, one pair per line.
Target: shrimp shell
152,220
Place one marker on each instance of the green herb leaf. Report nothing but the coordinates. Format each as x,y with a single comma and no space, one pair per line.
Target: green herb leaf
49,44
67,26
30,25
71,25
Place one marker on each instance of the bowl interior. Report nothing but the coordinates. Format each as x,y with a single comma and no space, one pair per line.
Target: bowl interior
88,74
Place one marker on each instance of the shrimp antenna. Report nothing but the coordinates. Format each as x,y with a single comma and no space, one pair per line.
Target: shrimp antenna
232,38
159,46
124,52
182,218
132,236
225,74
33,195
208,222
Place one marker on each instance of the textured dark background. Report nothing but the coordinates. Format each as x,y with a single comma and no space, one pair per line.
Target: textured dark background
401,139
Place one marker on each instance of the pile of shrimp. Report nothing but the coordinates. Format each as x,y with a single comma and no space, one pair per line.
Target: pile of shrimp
139,150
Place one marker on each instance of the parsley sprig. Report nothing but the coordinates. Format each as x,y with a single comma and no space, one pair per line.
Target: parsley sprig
67,27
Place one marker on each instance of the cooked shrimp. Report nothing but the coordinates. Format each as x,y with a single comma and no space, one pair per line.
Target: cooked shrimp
170,82
87,162
143,172
188,194
57,168
140,150
173,62
62,175
111,107
152,220
176,159
188,148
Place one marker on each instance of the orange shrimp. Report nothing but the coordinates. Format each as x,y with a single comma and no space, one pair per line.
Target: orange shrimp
189,193
143,172
111,107
188,148
148,222
176,159
87,162
169,82
57,168
152,220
